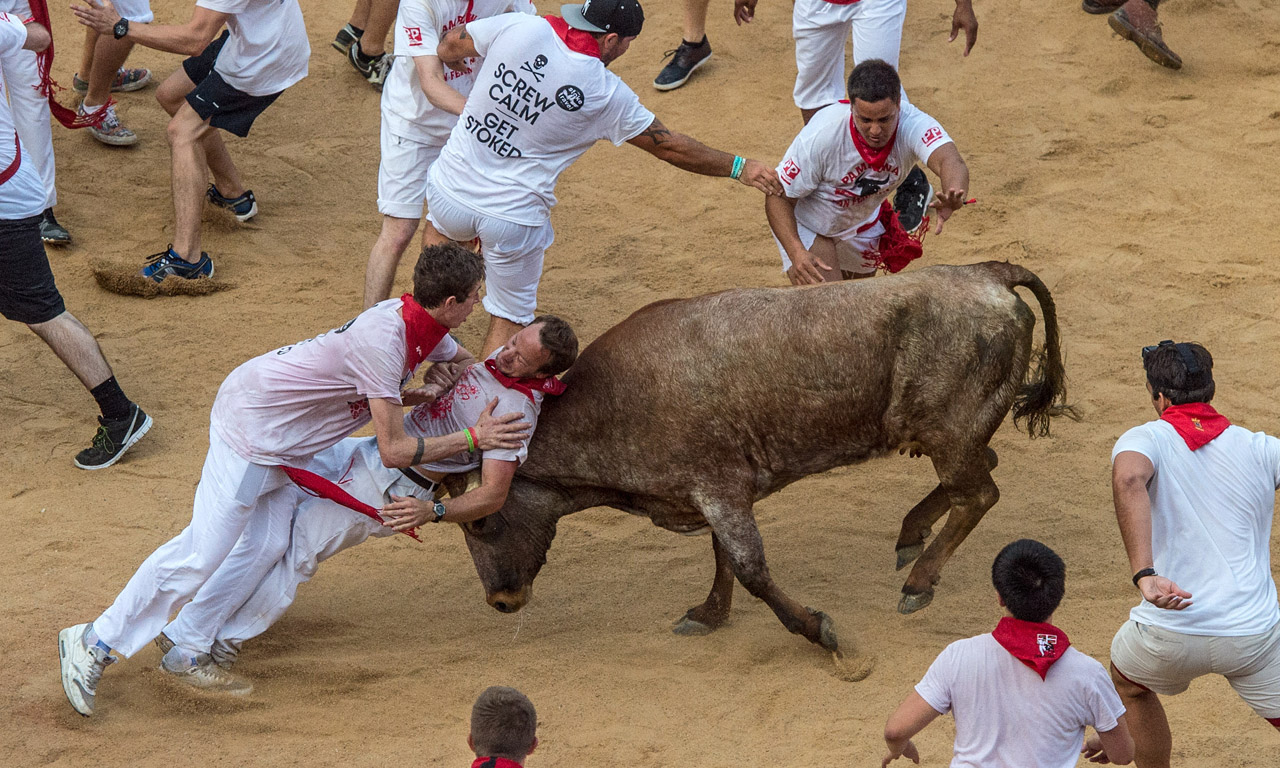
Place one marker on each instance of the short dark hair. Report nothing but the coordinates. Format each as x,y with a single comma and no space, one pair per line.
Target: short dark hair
1169,374
874,80
1030,578
503,724
445,270
558,338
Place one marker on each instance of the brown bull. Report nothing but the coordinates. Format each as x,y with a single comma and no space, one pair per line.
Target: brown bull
690,411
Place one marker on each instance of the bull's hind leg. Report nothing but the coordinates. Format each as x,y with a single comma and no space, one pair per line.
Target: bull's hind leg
968,483
737,534
918,523
708,617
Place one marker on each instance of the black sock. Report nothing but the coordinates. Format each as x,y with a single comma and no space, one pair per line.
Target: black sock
111,400
363,57
358,32
697,44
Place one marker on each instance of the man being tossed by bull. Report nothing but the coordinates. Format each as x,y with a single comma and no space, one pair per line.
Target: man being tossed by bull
516,377
834,220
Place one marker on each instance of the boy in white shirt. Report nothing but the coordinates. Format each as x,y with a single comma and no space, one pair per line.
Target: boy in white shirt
1195,500
421,101
1021,695
834,220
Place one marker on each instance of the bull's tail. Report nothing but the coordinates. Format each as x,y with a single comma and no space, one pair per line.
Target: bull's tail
1042,396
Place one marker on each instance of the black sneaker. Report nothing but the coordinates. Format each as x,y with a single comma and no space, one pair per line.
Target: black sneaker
374,69
345,37
113,439
245,207
912,199
688,57
51,231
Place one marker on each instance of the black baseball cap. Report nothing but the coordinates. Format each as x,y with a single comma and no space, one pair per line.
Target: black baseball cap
621,17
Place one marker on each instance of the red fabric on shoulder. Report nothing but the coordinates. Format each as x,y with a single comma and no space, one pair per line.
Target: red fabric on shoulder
576,39
876,158
421,332
1197,423
1035,644
494,762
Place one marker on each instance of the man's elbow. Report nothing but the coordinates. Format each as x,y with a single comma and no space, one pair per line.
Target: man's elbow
38,38
894,732
390,458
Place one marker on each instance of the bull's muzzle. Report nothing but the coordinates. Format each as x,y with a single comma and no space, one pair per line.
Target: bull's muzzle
509,601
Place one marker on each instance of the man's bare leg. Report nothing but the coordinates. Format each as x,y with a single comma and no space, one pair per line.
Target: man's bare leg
500,332
824,250
380,274
695,20
75,347
360,15
1152,741
381,15
109,55
86,55
187,134
172,94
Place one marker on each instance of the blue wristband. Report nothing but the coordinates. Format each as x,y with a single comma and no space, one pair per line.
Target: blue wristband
738,162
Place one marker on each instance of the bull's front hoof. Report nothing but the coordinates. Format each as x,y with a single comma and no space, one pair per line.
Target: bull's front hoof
827,632
913,603
690,627
908,555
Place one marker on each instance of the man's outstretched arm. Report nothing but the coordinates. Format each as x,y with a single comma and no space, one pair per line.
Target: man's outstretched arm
689,154
406,512
189,39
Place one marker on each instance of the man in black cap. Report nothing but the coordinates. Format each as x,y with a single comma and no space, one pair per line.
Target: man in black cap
543,97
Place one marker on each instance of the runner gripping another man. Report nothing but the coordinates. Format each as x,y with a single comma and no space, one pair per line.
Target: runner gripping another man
542,98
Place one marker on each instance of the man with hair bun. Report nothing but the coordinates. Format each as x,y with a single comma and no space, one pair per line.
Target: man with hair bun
1021,695
504,727
1194,498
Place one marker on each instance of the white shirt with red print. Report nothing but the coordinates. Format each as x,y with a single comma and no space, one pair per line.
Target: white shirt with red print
420,26
289,404
461,407
838,181
538,103
1007,716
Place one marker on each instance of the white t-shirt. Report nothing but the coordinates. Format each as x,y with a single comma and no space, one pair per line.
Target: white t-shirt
268,49
1006,716
535,108
289,404
1211,512
459,408
836,189
420,26
23,195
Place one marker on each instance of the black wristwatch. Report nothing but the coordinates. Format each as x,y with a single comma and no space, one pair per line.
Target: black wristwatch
1142,574
121,28
438,508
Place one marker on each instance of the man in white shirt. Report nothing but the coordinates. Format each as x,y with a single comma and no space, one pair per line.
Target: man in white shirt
542,97
225,84
834,220
28,293
272,413
421,101
1021,695
517,377
1195,498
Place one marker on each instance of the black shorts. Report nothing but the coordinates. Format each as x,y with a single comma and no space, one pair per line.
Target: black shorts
27,291
215,100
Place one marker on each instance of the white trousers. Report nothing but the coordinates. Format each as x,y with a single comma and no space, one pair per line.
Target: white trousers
31,118
820,29
322,529
239,527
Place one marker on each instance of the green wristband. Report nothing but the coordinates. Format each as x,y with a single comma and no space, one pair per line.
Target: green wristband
738,163
471,443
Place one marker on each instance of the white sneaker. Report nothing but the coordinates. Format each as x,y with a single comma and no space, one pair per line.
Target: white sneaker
203,674
82,667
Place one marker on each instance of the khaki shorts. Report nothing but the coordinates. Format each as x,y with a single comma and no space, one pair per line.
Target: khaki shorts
1166,662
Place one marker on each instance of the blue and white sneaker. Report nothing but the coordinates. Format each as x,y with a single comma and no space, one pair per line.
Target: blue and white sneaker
82,666
168,262
245,207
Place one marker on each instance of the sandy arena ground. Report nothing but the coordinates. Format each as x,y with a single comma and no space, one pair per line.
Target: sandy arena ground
1144,198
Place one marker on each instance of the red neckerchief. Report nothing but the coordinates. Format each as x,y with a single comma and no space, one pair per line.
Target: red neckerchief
494,762
327,489
47,87
576,39
421,332
897,247
1197,423
876,158
1035,644
549,385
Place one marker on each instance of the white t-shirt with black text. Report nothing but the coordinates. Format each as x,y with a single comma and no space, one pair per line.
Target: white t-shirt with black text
1006,716
535,108
1211,513
420,26
267,50
835,187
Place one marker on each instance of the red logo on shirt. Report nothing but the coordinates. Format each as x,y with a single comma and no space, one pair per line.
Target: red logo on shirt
415,36
1046,644
790,171
931,135
358,407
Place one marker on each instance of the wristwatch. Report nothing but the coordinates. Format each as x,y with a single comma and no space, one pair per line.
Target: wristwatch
121,28
438,508
1142,574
